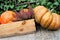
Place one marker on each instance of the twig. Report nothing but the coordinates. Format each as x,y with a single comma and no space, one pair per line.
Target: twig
26,3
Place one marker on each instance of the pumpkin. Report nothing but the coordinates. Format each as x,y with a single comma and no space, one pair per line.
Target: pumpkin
39,11
25,14
46,18
0,19
7,17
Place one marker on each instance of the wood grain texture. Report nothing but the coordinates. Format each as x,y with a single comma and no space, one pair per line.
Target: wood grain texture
14,28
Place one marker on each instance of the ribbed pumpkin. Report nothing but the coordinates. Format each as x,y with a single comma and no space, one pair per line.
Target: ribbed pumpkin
7,17
46,18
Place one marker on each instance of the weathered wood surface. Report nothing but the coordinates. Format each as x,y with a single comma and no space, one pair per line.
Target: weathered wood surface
41,34
17,28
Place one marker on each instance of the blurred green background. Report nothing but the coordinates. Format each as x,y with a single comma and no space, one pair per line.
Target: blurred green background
53,5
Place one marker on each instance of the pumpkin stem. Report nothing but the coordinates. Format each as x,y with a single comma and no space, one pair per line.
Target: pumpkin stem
52,10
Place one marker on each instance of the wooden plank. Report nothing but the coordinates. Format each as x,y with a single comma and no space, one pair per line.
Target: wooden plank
15,28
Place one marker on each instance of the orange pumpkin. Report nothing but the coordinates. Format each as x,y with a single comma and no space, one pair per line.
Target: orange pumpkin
46,18
0,19
7,17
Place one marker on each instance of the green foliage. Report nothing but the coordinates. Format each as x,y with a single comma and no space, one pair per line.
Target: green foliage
10,4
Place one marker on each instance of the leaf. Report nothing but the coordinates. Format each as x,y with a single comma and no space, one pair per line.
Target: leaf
19,0
32,0
56,3
11,6
1,12
23,0
59,1
49,3
24,5
6,7
43,2
37,3
18,8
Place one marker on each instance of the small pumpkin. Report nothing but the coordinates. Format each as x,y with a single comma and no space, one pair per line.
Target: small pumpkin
25,14
7,17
